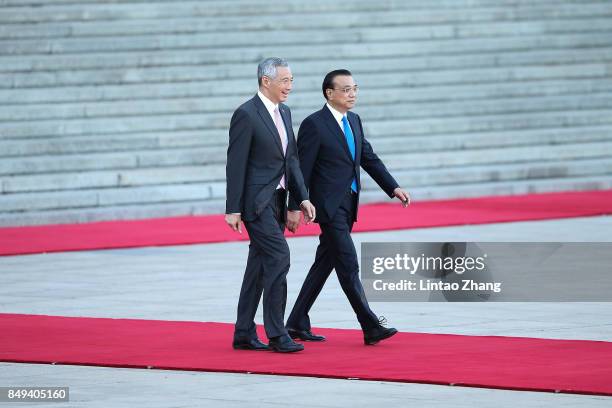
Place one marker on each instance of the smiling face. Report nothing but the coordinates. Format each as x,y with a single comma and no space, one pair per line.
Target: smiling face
277,89
343,95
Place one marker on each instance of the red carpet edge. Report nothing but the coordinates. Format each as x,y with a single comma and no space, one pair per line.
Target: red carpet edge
497,362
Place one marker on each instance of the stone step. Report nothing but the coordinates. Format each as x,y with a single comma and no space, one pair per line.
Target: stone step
488,123
434,125
428,160
455,176
192,83
219,3
496,139
211,155
110,143
203,54
154,66
464,23
33,147
215,174
216,190
396,127
123,212
375,109
309,99
114,178
467,109
310,82
217,206
115,160
247,9
501,188
381,143
244,38
110,196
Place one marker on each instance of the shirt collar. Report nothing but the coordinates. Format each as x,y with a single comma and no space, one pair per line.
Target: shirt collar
337,115
270,106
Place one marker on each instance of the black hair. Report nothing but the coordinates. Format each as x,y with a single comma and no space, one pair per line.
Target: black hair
328,81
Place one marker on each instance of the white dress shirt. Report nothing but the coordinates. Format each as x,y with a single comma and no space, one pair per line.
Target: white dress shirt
338,116
270,106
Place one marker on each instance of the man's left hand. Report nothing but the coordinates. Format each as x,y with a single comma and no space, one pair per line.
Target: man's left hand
403,196
309,211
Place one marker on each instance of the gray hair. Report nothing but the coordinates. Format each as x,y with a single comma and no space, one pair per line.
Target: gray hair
268,67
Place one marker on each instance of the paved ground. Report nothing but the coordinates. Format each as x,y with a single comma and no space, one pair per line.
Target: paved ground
201,282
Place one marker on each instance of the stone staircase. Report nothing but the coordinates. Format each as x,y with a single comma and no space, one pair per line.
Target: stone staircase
120,109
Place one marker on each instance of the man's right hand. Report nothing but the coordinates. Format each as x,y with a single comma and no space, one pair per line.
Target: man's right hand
293,220
309,211
234,221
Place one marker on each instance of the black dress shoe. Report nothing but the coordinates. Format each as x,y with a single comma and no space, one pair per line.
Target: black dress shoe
284,344
378,333
245,343
305,335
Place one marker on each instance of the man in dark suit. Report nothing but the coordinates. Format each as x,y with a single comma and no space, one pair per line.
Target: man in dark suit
262,164
332,148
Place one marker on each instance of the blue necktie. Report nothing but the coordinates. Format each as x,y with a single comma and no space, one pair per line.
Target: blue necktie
350,140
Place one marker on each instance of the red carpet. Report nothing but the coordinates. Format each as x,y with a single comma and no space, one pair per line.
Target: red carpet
373,217
569,366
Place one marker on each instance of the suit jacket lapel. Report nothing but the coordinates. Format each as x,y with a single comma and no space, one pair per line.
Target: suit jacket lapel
267,120
331,123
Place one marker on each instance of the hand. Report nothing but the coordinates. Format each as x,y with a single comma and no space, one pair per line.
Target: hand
309,211
293,220
234,221
403,196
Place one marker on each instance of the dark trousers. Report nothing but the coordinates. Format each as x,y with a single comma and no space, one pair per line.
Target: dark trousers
336,250
266,271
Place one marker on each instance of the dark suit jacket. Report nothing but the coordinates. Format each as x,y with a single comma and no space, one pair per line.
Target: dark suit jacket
327,165
255,161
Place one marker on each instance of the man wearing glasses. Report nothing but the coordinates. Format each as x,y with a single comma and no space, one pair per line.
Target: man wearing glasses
332,148
262,164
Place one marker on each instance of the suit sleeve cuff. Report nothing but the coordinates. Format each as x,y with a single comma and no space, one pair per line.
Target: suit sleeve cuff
390,193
